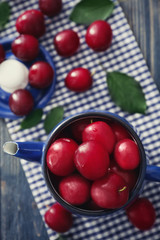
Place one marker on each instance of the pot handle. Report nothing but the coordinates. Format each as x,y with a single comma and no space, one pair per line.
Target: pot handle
30,151
153,173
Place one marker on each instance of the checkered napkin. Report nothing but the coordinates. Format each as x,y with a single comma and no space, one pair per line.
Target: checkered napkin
125,56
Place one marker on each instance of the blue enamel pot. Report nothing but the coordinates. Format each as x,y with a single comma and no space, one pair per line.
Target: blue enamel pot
36,152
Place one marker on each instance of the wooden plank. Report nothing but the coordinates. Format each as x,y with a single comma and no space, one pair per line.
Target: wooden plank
144,19
19,216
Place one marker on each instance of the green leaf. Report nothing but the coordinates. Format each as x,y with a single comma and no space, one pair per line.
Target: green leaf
53,118
4,13
87,11
126,92
32,119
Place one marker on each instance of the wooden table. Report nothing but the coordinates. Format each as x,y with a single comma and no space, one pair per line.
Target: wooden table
20,218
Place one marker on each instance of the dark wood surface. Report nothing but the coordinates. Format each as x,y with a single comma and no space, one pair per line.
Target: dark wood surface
19,216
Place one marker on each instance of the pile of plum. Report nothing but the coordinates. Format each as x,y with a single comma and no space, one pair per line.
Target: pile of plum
97,165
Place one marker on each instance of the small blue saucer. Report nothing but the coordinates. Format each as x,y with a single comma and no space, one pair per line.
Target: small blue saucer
41,96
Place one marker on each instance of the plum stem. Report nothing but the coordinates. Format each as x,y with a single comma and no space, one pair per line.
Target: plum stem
122,189
101,65
92,73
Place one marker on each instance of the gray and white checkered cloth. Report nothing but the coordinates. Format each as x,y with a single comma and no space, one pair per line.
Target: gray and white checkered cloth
123,55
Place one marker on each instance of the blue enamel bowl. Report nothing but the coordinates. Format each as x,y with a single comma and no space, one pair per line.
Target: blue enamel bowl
41,96
52,180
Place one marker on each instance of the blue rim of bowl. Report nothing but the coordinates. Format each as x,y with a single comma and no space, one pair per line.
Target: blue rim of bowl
41,96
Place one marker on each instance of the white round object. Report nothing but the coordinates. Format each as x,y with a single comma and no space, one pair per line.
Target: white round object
13,75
